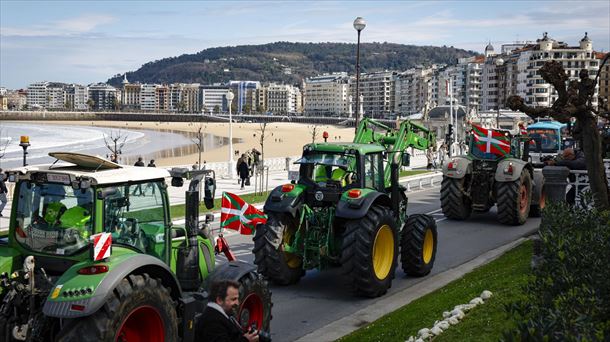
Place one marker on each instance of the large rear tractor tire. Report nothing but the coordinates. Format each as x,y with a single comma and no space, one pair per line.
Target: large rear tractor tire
418,245
369,252
454,202
139,309
254,302
514,199
280,267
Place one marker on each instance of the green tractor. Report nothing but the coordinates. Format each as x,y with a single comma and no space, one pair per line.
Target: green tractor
479,180
92,255
348,210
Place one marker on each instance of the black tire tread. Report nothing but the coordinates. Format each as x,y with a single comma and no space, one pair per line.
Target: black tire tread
254,282
412,245
101,325
454,203
269,260
507,199
356,254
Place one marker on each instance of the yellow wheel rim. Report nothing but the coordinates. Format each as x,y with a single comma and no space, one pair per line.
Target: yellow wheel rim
292,260
383,252
428,246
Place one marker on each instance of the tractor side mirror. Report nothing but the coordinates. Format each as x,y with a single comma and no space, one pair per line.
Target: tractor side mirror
177,182
209,187
105,192
406,159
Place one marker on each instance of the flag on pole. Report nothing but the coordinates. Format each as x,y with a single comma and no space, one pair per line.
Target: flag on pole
491,141
238,215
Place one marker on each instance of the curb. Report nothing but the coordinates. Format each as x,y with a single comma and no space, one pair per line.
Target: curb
369,314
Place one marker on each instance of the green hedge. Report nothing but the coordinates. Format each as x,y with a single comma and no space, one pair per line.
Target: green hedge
568,298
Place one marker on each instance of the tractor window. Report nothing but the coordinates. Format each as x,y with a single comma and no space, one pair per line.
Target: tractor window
135,216
328,169
53,218
373,171
544,140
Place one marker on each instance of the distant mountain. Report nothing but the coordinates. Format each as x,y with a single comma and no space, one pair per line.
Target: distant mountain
287,62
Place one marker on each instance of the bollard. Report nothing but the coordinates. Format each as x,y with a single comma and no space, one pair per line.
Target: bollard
555,182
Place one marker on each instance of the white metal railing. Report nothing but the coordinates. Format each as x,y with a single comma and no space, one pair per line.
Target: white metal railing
420,180
580,181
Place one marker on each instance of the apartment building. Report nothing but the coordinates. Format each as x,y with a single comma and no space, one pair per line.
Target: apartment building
245,92
56,96
104,96
414,90
573,58
327,95
148,94
76,97
37,95
131,96
378,92
184,97
162,98
282,98
604,79
214,98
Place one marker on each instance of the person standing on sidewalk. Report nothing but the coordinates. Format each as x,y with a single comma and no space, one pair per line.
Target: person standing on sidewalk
3,192
243,170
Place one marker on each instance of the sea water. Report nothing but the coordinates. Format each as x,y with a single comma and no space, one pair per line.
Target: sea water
45,138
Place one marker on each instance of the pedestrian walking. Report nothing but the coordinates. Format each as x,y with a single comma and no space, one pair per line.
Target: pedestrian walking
138,188
3,192
243,171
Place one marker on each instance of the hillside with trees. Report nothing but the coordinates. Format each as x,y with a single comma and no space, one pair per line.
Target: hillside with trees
286,62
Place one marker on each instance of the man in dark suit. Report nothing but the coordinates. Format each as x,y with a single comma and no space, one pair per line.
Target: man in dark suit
217,323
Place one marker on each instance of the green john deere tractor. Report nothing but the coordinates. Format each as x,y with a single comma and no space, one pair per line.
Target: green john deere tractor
92,255
479,180
347,209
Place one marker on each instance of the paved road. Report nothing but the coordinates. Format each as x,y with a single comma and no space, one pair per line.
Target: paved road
320,298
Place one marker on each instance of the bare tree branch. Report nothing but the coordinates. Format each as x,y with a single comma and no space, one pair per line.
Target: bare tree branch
115,143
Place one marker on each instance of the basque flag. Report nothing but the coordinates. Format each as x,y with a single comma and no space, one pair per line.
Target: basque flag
491,141
238,215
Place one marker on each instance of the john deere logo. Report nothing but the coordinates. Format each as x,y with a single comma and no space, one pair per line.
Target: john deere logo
319,196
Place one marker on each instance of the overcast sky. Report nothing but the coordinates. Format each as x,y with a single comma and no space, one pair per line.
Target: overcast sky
89,41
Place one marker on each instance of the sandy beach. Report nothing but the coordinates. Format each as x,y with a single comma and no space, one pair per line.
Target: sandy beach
281,139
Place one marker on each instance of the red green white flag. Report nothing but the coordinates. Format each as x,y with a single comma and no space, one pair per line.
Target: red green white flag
238,215
491,141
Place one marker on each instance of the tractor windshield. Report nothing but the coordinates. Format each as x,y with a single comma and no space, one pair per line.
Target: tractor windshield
53,218
545,140
326,168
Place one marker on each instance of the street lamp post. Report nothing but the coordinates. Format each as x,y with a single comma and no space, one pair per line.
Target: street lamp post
359,25
24,142
231,172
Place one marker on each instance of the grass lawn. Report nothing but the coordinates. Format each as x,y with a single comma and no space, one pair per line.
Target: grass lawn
503,276
406,173
177,211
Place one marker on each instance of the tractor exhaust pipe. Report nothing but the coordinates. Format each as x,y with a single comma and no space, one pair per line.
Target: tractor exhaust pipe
394,184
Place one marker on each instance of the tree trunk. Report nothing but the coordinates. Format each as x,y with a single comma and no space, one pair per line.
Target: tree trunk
592,148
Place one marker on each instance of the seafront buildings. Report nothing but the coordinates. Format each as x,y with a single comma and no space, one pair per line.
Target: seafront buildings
481,84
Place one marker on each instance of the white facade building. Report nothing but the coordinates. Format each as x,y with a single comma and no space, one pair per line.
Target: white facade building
214,98
326,95
37,95
282,98
148,95
378,93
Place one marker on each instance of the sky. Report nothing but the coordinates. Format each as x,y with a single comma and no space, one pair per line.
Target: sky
90,41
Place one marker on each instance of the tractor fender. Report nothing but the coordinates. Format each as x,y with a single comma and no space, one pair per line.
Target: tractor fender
538,185
281,202
461,167
122,266
518,166
232,270
350,208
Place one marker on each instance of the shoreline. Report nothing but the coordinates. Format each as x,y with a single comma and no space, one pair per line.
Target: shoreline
281,139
